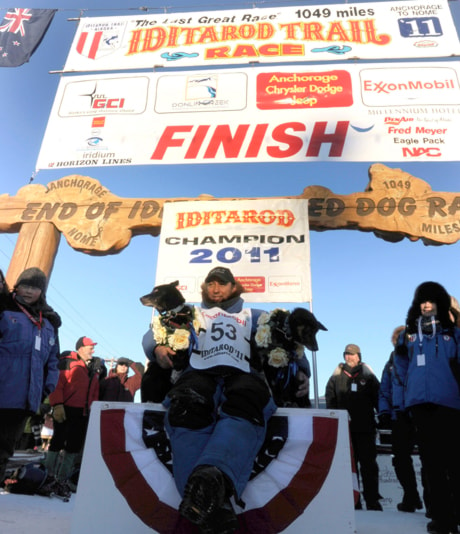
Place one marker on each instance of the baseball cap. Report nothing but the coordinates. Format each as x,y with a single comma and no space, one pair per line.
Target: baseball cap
84,342
123,361
220,273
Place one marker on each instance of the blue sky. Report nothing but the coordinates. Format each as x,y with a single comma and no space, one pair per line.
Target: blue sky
362,286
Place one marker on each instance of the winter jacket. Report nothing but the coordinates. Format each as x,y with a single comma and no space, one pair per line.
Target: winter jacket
29,368
355,389
424,370
386,390
120,387
149,344
77,386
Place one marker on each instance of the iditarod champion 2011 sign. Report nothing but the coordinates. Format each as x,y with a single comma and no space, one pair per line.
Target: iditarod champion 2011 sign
264,242
376,30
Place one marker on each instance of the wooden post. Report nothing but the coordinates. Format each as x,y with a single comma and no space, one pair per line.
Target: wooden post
36,246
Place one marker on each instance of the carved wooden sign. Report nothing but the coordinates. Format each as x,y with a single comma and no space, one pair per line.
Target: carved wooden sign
393,206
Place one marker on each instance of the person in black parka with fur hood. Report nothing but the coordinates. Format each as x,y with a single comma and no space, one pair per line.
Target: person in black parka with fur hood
426,382
354,387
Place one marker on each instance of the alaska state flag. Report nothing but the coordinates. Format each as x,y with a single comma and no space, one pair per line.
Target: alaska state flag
21,31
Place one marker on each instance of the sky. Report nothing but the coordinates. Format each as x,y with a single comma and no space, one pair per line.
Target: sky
362,286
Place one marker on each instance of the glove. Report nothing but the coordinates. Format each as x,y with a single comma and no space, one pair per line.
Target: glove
384,421
139,367
44,408
59,413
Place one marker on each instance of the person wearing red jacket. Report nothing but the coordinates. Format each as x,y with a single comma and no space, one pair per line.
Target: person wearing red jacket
76,390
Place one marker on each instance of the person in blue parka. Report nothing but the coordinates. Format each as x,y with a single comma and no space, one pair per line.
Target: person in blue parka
28,356
403,437
426,381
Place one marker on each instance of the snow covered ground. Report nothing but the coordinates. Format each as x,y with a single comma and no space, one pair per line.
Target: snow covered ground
23,514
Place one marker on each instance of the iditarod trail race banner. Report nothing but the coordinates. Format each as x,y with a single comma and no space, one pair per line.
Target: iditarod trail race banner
302,469
365,112
376,30
264,242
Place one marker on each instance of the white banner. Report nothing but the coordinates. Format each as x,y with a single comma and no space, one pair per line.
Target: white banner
377,30
264,242
367,112
126,469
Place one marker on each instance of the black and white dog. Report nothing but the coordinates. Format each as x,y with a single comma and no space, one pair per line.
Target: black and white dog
174,313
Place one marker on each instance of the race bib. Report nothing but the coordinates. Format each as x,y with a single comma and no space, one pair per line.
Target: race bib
225,340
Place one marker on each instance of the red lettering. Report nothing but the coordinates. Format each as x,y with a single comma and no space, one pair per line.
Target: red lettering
245,51
287,140
197,141
319,136
222,51
256,140
167,140
417,152
270,50
230,144
293,141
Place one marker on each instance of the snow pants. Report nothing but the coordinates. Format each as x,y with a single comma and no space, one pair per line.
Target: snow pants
365,455
70,434
12,423
437,432
217,420
403,439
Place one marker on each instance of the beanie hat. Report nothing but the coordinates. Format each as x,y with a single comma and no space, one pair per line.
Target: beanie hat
352,349
33,276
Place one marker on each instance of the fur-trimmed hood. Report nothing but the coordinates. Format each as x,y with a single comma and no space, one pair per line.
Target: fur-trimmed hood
432,292
366,369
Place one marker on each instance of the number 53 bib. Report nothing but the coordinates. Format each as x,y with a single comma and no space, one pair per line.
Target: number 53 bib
225,340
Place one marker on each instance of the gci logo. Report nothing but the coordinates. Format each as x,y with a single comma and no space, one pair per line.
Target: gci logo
108,103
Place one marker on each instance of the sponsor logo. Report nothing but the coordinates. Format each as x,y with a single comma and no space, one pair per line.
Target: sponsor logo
395,121
284,284
426,44
94,141
98,122
417,152
100,39
252,284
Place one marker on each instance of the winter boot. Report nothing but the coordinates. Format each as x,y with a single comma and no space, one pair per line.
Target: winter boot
203,494
66,467
374,505
51,462
436,527
222,521
410,503
64,473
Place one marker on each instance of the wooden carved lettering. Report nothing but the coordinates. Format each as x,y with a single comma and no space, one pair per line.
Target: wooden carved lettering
393,206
